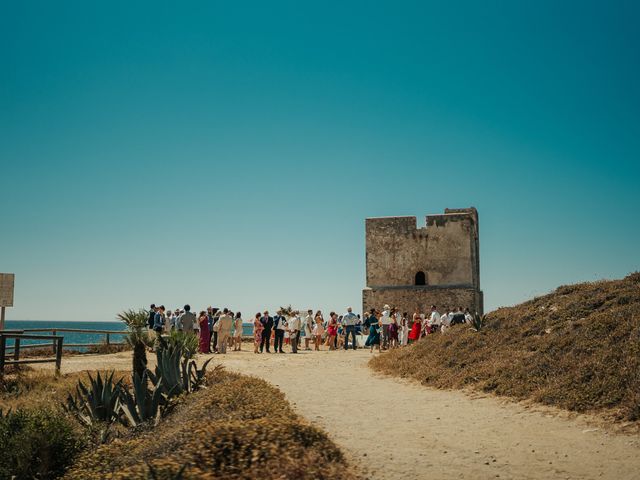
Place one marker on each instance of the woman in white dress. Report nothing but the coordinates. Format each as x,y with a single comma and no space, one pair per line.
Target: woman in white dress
308,329
237,334
404,328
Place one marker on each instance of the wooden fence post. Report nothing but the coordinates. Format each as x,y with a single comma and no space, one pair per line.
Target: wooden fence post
3,340
107,339
58,354
16,349
53,343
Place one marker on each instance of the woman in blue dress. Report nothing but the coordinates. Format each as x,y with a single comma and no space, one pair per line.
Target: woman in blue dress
373,324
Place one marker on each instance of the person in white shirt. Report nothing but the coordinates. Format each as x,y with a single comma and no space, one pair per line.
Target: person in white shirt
468,318
294,329
349,321
434,320
385,320
280,326
445,320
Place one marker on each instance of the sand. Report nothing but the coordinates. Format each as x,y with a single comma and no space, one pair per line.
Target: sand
395,429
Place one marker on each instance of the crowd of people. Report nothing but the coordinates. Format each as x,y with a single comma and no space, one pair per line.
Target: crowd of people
219,329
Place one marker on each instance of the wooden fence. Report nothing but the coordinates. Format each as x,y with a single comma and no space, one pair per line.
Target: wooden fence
55,331
14,358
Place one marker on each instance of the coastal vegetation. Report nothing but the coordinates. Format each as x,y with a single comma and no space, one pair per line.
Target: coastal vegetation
138,337
237,428
577,348
178,421
38,443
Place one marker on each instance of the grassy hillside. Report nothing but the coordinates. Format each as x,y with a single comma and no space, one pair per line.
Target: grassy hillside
576,348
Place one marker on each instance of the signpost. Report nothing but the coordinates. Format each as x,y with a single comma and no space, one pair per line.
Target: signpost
6,294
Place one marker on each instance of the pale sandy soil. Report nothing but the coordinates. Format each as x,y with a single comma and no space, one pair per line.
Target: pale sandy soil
394,429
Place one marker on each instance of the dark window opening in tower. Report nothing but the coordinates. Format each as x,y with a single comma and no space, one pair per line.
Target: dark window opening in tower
421,279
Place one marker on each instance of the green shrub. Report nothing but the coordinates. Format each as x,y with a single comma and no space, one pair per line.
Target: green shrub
97,402
38,443
178,373
144,405
187,342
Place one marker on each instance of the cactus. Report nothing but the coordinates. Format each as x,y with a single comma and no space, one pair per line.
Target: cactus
97,402
179,374
144,404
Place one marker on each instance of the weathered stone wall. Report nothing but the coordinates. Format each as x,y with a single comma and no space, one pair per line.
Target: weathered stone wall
410,299
446,250
443,250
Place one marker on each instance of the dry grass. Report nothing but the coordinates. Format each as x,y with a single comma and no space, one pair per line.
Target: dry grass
577,348
69,352
30,388
238,428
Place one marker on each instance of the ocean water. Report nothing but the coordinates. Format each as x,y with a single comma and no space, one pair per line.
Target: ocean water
69,337
76,337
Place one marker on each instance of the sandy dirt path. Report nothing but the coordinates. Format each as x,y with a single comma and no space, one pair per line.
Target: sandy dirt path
395,429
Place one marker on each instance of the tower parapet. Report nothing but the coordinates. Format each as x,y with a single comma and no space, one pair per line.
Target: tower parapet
412,268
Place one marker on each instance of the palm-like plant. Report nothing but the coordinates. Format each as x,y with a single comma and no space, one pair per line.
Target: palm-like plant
136,321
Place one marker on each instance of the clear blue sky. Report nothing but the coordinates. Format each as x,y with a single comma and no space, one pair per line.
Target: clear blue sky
228,153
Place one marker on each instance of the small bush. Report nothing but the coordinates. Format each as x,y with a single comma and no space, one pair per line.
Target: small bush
186,342
37,443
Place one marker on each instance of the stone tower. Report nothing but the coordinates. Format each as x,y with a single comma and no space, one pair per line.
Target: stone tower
410,267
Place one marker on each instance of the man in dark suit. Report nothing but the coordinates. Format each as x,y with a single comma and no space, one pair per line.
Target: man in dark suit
267,323
279,326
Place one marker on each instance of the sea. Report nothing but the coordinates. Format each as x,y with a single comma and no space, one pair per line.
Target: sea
76,337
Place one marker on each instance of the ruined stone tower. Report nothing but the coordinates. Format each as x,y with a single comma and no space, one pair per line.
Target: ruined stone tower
410,267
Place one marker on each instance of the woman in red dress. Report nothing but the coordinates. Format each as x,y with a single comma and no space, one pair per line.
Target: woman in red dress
203,321
332,331
416,328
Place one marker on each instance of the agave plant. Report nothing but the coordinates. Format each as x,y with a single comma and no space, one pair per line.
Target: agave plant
136,321
479,321
97,402
187,341
179,374
144,404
